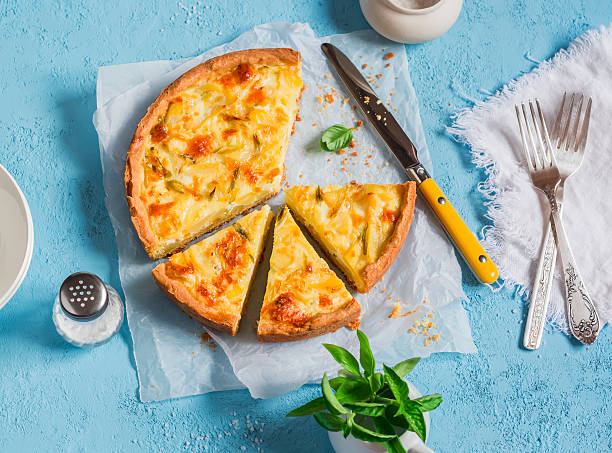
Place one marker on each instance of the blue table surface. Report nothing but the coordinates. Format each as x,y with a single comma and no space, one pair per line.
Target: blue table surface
54,397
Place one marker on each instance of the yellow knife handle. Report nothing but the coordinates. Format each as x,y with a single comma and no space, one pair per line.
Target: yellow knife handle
460,234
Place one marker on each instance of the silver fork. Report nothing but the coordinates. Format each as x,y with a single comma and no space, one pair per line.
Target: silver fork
569,158
545,174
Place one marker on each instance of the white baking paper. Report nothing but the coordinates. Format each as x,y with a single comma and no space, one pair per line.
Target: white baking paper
170,358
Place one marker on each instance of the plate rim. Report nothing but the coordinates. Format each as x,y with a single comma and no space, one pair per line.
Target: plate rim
25,265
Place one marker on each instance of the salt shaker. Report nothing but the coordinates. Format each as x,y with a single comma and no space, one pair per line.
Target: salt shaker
87,312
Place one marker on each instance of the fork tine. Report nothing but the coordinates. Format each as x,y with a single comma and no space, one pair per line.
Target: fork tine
572,138
540,149
548,144
557,125
567,123
533,150
530,164
581,141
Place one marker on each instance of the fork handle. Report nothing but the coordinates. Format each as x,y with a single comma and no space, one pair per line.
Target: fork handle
540,294
581,313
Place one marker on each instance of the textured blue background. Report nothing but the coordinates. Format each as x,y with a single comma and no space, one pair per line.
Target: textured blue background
54,397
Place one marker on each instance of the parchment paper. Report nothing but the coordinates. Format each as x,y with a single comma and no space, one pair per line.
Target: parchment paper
170,358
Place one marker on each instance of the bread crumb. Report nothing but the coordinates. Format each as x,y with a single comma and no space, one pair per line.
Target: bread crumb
327,76
396,312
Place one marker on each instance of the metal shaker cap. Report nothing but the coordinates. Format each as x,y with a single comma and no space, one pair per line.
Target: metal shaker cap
83,296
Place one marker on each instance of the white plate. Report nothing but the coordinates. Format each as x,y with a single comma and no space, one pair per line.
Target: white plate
16,236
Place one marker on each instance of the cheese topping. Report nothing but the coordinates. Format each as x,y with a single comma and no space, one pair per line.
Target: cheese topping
218,149
218,270
300,283
353,223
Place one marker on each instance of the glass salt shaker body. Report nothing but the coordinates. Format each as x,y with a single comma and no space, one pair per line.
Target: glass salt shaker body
87,312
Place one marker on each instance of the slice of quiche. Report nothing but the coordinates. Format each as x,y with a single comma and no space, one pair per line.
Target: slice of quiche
361,227
211,146
211,280
304,297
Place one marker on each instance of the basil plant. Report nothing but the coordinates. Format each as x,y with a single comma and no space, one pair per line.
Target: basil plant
369,405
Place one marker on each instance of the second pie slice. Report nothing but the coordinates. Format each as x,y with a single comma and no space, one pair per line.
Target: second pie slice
304,297
360,226
211,280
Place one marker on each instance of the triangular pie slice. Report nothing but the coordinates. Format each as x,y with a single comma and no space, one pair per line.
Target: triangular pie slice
304,297
211,280
212,146
360,227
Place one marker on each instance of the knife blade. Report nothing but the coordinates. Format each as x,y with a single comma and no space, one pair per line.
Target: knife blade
406,153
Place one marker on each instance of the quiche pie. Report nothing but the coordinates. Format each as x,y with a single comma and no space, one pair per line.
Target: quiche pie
212,146
361,227
211,280
304,297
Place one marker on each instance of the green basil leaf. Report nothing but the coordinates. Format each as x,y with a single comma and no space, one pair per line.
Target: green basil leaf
366,358
429,402
368,435
336,382
398,386
331,401
354,390
396,421
348,374
329,421
310,408
369,409
336,137
404,368
383,426
416,421
344,358
377,381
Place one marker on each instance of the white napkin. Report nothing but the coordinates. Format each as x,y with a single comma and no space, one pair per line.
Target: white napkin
518,211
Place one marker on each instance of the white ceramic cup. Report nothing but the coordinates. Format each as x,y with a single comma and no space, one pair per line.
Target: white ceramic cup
411,442
411,21
16,237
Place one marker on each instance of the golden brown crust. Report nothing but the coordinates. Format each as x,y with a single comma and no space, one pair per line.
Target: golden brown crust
373,272
269,331
185,301
134,171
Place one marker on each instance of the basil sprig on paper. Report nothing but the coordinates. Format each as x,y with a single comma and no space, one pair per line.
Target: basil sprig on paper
369,405
336,138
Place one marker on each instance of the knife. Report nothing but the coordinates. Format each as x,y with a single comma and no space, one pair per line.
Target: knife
406,153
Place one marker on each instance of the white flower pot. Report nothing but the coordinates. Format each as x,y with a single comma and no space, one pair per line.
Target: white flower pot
411,442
